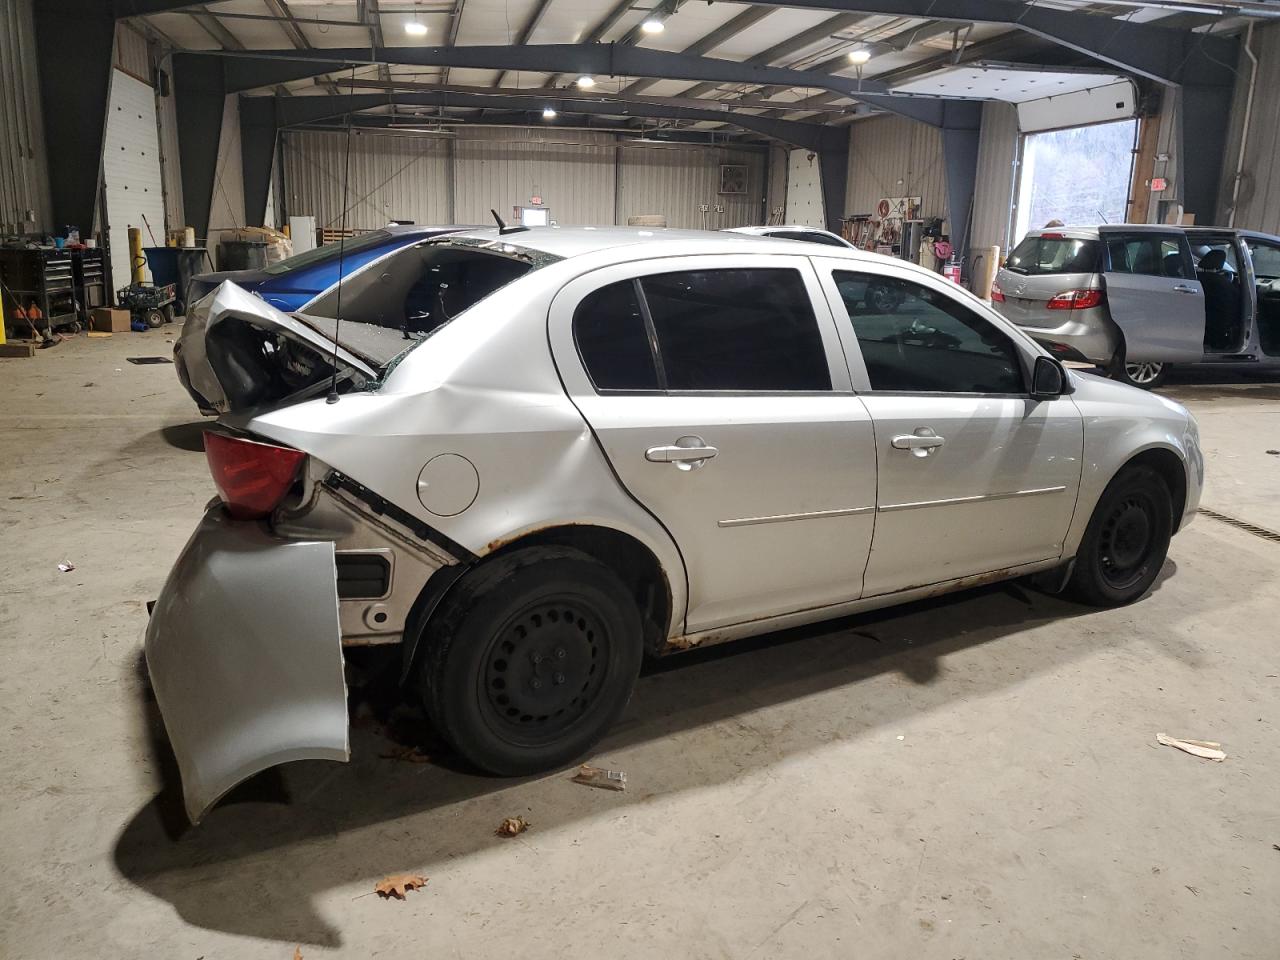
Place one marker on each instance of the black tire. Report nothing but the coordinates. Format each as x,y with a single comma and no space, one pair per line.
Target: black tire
1126,541
154,318
168,313
530,659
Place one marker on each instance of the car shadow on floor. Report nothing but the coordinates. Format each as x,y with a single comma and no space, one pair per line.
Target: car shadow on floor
258,861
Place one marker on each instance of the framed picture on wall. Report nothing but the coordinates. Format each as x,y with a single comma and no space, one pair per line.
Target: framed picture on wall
733,178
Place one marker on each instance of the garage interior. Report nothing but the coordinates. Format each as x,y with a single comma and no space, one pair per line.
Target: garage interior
973,775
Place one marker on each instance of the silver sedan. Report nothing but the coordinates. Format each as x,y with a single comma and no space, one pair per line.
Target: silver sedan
529,458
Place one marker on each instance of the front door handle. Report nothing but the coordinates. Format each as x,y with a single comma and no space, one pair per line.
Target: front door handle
1184,288
921,443
687,453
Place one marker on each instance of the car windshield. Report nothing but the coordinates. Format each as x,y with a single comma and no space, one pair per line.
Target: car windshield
330,251
1052,253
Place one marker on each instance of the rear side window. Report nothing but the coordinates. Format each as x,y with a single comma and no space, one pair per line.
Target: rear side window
1054,254
609,328
1148,254
736,329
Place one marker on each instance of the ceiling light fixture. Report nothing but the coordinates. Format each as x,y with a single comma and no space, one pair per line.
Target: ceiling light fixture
652,25
415,27
586,82
548,113
859,57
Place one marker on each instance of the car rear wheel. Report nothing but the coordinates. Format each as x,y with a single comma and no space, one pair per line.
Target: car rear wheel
1145,375
530,659
1126,541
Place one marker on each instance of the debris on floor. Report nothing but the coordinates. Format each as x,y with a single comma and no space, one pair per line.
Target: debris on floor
1206,749
590,776
297,952
406,755
397,884
148,359
512,827
66,566
1274,453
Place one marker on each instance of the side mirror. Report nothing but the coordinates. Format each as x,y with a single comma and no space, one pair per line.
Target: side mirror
1048,379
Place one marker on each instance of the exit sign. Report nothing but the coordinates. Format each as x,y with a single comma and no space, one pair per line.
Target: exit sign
536,201
1158,184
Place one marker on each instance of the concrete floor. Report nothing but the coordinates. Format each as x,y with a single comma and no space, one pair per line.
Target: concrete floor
971,777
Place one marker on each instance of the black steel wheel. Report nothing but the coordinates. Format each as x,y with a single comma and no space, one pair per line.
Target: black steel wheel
154,318
1126,541
530,659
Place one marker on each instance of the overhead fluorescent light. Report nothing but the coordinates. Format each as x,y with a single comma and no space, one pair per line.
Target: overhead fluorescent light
415,28
586,82
859,57
548,113
652,24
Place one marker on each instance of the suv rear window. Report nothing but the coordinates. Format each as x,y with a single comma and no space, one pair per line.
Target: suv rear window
1054,254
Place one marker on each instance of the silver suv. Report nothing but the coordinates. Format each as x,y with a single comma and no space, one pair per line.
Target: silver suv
534,457
1136,298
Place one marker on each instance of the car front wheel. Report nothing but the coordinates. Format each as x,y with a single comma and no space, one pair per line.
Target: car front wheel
1126,541
530,659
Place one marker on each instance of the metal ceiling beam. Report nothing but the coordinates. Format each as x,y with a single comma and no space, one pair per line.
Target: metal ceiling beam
529,121
451,32
526,31
573,95
1156,52
214,27
289,24
247,70
707,43
596,33
142,8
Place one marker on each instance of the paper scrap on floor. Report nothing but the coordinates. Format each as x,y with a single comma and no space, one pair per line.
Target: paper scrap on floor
1207,749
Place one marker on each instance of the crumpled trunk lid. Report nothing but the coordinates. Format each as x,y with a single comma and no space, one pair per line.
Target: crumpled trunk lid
237,352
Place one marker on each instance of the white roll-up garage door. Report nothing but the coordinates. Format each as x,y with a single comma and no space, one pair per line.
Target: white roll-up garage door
131,169
804,189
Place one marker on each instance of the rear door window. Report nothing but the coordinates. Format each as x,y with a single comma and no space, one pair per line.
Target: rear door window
613,339
1054,253
736,330
1150,254
1266,259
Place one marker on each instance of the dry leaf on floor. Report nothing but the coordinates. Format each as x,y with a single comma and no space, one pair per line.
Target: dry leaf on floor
512,826
396,885
66,566
406,754
297,953
590,776
1206,749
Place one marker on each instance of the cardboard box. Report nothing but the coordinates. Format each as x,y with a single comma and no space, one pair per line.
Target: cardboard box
109,320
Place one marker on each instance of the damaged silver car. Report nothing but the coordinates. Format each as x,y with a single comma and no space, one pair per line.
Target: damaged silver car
529,458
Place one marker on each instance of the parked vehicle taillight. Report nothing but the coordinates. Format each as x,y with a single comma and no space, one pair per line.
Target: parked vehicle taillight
997,295
1075,300
252,478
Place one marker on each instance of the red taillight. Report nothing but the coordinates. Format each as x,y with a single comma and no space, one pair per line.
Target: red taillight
252,478
1075,300
997,295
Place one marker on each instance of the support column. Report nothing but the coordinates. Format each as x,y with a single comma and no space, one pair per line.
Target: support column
258,132
833,165
199,89
1206,112
961,129
74,45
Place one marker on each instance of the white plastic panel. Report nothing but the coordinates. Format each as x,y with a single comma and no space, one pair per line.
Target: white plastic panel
131,169
1115,101
804,189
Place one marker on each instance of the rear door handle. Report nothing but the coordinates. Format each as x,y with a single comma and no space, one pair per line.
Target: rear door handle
687,453
1184,288
921,443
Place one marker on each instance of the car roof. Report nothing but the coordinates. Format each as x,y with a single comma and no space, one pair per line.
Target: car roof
414,229
566,242
1094,232
769,231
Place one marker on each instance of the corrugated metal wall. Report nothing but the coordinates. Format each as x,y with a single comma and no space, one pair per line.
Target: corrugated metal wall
997,151
1258,204
583,177
392,177
676,181
896,157
497,169
132,55
24,174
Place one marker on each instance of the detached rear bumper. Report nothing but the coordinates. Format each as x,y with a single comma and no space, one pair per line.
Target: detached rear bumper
245,656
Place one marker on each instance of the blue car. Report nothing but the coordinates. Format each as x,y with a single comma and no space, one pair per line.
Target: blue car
293,283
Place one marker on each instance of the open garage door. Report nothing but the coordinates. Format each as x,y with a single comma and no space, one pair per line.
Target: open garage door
131,170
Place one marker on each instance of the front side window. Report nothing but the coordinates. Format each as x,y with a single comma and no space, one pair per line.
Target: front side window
915,339
736,329
1149,254
1266,259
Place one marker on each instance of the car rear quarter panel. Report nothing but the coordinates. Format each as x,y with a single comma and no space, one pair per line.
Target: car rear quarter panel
1121,422
484,388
